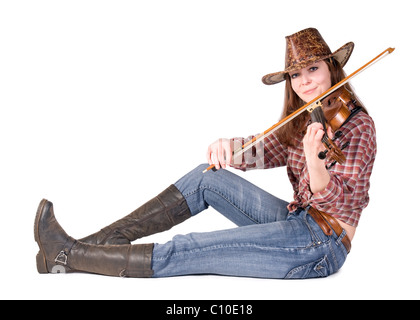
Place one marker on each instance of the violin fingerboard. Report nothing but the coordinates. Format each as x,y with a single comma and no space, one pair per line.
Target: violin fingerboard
317,115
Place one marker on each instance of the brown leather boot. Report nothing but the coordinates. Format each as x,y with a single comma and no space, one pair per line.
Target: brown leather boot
60,253
159,214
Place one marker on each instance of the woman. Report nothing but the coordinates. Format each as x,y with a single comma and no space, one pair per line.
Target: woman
309,237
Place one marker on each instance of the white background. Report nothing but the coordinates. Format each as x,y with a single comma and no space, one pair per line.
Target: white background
106,103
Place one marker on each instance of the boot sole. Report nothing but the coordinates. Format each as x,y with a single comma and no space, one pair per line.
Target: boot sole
41,261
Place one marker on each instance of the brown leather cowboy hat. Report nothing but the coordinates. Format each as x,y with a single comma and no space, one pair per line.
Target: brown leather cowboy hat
304,48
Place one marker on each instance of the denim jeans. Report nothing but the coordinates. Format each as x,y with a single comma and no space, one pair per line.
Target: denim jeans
269,242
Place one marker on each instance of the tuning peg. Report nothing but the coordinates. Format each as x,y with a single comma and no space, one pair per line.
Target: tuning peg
323,154
337,135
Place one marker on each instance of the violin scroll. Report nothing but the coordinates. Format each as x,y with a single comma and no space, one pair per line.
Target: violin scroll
323,154
334,111
332,151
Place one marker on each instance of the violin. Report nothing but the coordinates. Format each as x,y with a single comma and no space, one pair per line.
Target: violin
336,111
333,112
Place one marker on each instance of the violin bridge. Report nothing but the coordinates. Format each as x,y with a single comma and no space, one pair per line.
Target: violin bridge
313,106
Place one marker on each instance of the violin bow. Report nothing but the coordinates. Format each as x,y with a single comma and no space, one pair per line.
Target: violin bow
310,106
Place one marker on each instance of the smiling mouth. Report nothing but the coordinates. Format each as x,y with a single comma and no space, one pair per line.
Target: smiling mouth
309,91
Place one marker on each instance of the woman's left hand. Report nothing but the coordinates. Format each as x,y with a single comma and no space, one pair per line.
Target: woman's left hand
312,143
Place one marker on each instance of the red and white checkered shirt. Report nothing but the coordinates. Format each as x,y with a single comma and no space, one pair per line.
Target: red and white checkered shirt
346,195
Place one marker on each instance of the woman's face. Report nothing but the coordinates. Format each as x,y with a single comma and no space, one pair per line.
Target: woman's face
312,81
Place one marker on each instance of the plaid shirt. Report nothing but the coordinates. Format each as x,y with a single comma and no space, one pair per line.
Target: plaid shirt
346,195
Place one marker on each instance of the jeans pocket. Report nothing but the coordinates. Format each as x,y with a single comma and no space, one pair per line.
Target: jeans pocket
315,269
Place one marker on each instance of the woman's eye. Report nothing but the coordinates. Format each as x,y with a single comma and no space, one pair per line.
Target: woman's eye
294,76
313,69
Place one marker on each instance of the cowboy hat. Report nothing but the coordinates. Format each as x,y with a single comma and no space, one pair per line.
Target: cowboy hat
304,48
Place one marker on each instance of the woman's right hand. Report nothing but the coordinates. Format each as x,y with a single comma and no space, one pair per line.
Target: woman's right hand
219,153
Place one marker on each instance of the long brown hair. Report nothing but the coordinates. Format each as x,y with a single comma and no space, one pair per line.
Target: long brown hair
289,133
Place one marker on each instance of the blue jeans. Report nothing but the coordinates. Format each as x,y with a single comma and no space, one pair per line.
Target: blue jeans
269,242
